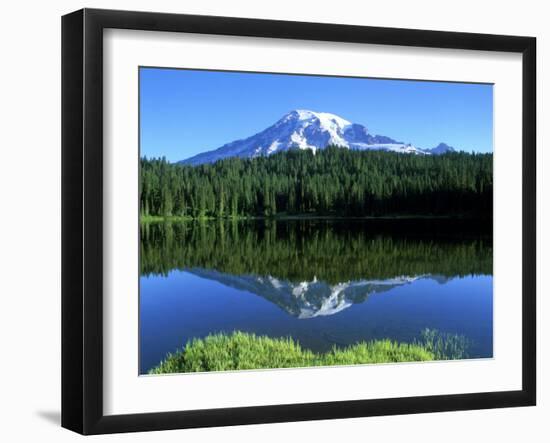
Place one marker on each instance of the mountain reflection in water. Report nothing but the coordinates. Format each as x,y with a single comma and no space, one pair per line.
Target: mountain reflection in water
308,299
322,282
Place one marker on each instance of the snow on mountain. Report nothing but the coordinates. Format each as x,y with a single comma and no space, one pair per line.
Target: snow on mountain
303,129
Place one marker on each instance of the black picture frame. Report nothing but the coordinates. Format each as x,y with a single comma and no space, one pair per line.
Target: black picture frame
82,219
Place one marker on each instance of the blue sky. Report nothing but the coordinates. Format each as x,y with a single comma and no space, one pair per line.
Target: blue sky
185,112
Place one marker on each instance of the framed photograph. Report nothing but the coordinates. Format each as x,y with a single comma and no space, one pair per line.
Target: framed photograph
269,221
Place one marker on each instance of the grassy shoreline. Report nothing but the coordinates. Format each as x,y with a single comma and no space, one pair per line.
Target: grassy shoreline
240,351
179,218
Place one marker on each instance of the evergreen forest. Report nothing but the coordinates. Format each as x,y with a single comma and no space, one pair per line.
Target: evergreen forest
331,182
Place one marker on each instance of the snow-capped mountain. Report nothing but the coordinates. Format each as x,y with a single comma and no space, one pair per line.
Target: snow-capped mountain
303,129
308,299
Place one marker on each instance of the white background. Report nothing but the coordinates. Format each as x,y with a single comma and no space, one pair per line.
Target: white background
30,222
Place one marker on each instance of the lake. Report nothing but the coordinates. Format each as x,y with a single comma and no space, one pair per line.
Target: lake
324,283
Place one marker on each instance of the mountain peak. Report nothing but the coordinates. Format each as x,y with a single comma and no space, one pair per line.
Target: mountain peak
442,148
306,129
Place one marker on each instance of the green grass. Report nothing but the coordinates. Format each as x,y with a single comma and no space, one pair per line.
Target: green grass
306,216
188,218
239,350
161,218
443,345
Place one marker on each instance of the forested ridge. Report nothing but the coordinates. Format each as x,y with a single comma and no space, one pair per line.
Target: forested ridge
333,181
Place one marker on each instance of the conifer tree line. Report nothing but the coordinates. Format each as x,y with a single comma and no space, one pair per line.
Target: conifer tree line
333,181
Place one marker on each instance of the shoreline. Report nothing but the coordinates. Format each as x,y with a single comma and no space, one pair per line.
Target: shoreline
176,218
246,351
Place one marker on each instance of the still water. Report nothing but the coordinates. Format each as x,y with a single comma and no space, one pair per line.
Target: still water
323,283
